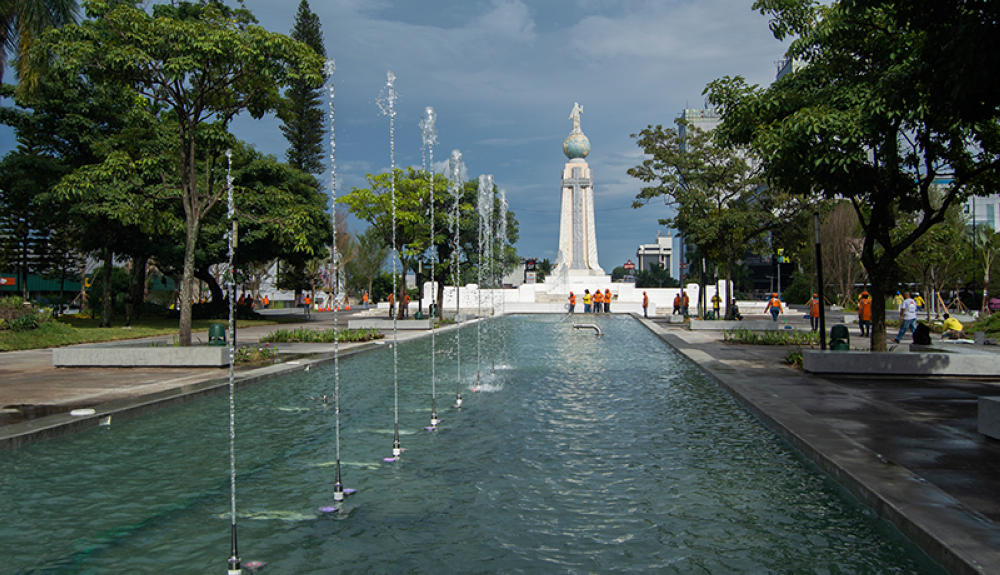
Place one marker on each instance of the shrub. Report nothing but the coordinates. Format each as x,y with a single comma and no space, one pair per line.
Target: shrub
306,335
776,337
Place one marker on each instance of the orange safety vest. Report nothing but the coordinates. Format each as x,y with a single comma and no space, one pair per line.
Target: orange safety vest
645,300
865,309
306,300
572,299
365,298
392,299
607,296
814,307
677,300
774,303
598,297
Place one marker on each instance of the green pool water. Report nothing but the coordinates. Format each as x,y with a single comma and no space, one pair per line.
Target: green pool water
578,454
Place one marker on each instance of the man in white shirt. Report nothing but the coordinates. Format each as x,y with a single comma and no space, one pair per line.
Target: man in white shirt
907,316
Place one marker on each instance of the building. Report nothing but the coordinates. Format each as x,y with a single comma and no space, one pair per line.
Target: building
659,253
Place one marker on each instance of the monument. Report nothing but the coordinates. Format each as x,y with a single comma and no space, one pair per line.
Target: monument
577,259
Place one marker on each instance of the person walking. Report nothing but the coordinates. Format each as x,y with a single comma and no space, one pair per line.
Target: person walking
645,304
814,312
364,301
607,300
572,302
686,305
307,304
392,304
907,316
266,302
865,314
677,304
586,301
774,306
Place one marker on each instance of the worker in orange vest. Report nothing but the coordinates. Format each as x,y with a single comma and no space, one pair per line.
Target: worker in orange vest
687,304
572,303
392,304
774,306
598,301
364,301
266,302
406,304
307,304
814,312
645,304
677,304
607,301
865,314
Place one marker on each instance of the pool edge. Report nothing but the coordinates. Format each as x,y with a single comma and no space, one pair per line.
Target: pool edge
959,539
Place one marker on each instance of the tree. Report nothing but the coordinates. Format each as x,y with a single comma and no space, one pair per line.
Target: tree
370,256
374,205
987,246
655,277
717,193
22,23
203,63
302,112
850,124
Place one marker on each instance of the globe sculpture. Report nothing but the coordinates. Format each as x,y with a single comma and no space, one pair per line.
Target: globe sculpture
576,146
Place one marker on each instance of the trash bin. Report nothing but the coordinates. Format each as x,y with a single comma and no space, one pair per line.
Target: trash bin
217,334
840,338
418,315
710,314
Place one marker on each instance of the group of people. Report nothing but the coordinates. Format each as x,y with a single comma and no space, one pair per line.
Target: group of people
598,302
405,308
681,304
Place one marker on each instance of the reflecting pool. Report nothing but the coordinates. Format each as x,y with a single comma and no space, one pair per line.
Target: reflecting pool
578,454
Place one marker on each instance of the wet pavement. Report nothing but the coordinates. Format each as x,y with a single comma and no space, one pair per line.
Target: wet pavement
907,447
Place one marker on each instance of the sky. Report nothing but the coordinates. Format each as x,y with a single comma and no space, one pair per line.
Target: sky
503,76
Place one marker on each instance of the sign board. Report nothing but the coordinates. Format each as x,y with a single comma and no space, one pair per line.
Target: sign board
629,265
530,265
8,281
530,277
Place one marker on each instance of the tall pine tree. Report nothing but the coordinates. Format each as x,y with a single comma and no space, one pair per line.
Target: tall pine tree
302,113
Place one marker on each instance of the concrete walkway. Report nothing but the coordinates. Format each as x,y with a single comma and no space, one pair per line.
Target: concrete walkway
906,447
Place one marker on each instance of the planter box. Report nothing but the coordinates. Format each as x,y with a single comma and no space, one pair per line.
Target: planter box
896,364
134,356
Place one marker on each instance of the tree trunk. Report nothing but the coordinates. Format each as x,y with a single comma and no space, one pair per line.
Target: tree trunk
136,287
203,274
880,287
187,285
107,305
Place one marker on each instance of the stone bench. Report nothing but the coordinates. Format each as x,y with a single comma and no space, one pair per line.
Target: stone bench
989,416
896,364
140,356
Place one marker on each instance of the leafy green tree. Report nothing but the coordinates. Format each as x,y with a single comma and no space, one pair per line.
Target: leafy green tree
545,268
655,277
22,23
717,193
850,124
302,112
368,263
203,63
959,55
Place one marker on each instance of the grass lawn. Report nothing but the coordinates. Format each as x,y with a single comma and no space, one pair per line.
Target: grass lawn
70,330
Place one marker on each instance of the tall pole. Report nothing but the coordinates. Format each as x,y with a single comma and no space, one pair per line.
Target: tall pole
819,281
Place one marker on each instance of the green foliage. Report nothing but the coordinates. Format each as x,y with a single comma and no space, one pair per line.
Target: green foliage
302,112
770,337
858,121
204,63
306,335
989,324
793,356
250,354
655,277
